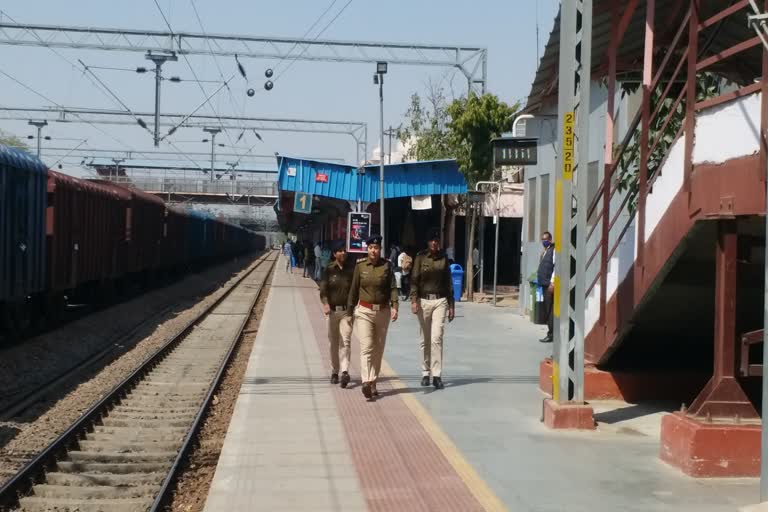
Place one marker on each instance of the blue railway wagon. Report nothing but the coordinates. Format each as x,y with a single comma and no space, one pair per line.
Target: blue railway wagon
23,197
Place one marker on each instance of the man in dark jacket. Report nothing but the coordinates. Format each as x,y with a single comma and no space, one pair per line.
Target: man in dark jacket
545,277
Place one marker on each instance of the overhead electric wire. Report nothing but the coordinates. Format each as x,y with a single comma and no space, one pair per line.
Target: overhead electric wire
306,47
277,66
74,66
58,54
194,74
84,141
218,67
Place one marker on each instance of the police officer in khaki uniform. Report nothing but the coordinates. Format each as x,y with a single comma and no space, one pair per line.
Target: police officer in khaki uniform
334,291
432,300
373,297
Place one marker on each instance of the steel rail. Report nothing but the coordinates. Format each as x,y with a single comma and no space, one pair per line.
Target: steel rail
21,483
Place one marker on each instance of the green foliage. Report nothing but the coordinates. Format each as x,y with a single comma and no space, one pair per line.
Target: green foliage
707,86
462,129
13,141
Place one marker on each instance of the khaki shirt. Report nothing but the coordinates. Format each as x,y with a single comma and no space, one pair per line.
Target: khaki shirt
374,284
334,286
431,275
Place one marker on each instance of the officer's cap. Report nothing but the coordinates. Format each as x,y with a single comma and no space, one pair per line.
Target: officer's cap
433,234
374,240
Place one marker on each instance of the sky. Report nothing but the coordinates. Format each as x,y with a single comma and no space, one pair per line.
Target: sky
306,90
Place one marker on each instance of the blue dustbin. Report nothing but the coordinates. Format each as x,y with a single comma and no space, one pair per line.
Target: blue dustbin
457,276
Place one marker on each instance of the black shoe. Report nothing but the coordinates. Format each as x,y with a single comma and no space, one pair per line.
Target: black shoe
344,379
425,380
546,339
367,390
438,383
374,390
335,378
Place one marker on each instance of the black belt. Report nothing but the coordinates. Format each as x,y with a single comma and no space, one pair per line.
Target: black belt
433,296
338,308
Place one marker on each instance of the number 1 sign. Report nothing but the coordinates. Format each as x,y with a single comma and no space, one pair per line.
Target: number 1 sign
302,203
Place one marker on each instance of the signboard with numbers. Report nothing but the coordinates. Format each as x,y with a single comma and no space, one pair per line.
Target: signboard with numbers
568,146
302,203
515,151
358,230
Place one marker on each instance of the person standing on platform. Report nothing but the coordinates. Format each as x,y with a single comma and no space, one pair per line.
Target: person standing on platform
334,292
309,260
405,262
319,267
545,278
373,298
432,301
288,253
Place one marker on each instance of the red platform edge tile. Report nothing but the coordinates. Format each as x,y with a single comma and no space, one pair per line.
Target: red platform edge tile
399,465
707,450
568,416
631,387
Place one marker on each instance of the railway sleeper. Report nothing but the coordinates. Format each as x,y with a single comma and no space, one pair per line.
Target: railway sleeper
169,409
115,422
159,456
35,504
117,480
160,435
112,468
151,415
95,492
119,445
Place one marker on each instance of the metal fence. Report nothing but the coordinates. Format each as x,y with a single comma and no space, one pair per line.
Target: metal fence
177,185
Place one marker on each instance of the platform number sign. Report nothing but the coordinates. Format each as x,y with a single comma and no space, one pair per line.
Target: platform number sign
302,203
568,146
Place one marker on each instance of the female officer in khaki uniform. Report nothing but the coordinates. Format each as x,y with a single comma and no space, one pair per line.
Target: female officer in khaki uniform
432,300
373,296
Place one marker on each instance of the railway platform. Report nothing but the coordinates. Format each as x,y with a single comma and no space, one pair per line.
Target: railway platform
296,442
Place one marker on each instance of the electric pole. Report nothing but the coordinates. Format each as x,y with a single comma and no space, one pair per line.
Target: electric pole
159,59
213,132
39,125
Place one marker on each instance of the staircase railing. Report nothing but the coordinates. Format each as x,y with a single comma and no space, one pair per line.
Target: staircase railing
667,89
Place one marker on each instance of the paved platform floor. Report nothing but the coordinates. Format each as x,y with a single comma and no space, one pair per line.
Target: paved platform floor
298,443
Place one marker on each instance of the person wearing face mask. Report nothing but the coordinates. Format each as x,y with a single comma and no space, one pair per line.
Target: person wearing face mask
545,277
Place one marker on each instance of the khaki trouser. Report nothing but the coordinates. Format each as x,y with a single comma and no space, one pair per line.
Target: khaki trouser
432,314
371,328
339,330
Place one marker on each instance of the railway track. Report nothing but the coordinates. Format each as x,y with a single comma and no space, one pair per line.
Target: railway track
123,454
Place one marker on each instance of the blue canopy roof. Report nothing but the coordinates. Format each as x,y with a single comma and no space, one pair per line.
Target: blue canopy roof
345,183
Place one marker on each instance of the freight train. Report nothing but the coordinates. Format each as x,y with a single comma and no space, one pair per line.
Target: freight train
64,239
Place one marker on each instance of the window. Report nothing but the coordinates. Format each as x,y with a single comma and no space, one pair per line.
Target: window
544,210
531,213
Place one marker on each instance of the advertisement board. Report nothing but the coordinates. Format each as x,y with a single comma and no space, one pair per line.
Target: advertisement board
358,231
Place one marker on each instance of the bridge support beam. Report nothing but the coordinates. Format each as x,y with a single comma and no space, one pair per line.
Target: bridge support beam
720,434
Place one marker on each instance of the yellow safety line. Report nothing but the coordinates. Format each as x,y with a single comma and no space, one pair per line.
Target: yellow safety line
476,485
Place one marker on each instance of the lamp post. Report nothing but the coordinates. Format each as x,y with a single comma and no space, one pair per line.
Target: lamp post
378,78
39,125
159,58
213,132
497,221
117,161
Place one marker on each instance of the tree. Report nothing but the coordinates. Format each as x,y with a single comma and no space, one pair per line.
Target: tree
8,139
474,121
462,130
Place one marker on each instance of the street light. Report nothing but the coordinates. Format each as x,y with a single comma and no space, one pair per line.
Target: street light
213,132
39,125
378,78
117,161
497,219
